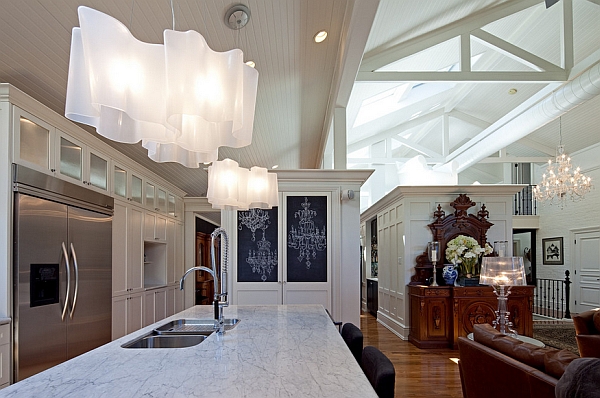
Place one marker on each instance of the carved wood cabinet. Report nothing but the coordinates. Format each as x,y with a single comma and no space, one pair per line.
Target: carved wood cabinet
440,315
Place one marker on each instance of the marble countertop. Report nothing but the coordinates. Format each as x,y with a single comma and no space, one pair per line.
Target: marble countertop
275,351
4,320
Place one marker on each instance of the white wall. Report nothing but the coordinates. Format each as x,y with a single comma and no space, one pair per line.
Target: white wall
557,222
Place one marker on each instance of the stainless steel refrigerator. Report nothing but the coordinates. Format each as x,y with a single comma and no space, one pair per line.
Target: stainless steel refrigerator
62,270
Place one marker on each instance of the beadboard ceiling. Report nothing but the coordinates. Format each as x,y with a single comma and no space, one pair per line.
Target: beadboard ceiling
301,82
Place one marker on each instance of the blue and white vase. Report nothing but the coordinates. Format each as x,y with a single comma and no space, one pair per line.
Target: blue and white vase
449,274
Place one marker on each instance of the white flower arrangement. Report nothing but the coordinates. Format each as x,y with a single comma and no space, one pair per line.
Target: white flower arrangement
464,252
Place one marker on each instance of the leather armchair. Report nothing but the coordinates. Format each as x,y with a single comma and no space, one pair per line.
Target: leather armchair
587,333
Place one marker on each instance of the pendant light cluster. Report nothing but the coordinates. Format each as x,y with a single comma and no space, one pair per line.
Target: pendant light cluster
182,100
231,187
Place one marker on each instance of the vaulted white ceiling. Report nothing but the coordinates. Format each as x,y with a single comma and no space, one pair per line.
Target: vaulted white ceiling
413,108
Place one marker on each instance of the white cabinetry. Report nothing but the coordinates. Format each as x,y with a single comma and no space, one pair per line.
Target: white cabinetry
4,355
33,142
41,146
155,226
127,311
127,246
80,164
155,305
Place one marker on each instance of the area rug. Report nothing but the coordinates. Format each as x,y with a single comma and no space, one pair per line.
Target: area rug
556,335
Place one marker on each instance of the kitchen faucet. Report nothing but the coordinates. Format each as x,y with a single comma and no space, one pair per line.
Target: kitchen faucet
221,299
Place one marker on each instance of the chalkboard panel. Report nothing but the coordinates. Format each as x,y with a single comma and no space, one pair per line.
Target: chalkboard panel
306,238
257,245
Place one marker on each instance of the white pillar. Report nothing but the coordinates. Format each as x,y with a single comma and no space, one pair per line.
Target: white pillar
339,139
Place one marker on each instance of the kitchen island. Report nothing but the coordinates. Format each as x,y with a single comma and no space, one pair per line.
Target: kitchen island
274,351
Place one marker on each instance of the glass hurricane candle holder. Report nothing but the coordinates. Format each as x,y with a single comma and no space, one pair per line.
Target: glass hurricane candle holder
434,254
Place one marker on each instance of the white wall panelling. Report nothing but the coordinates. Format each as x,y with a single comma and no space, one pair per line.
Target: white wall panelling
402,222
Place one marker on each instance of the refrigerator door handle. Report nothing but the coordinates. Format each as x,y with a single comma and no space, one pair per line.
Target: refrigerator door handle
64,249
76,268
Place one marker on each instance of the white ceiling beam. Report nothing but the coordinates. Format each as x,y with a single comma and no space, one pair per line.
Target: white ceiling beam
353,161
516,53
465,52
482,124
458,76
382,56
359,144
445,134
416,147
566,35
515,159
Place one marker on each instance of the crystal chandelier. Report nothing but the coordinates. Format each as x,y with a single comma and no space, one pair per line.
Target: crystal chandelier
307,238
562,180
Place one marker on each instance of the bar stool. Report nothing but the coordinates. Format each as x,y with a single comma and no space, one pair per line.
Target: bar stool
354,340
380,371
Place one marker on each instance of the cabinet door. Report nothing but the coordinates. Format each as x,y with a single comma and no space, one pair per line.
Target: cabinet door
171,205
149,225
119,249
70,157
160,304
161,200
4,353
119,316
135,249
171,247
134,312
171,292
160,229
149,194
148,308
33,142
96,170
120,184
136,189
179,252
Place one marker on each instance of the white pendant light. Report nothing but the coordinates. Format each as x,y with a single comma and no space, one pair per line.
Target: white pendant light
262,189
181,99
231,187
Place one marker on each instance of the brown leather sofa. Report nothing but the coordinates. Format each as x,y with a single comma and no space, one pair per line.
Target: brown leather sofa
496,365
587,333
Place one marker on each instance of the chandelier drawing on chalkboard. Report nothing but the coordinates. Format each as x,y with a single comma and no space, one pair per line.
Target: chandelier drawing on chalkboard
254,219
307,237
263,260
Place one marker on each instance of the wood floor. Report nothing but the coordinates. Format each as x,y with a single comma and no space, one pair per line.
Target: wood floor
419,373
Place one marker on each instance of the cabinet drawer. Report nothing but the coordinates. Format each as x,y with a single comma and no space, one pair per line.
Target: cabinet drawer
5,334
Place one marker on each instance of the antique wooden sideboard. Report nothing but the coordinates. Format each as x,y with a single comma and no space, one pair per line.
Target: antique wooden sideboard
440,315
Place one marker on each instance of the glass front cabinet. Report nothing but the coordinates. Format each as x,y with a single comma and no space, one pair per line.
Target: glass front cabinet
42,147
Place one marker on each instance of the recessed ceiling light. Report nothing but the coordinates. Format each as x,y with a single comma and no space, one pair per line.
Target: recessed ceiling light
319,37
251,64
275,166
512,91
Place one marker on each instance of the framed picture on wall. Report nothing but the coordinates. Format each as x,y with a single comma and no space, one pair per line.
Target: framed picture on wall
553,251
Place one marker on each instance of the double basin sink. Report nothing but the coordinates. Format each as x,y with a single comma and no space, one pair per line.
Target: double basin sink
179,333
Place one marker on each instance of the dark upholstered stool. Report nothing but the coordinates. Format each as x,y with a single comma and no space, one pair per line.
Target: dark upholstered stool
380,371
354,339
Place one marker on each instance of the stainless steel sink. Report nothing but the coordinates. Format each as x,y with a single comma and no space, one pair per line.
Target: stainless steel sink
154,340
193,326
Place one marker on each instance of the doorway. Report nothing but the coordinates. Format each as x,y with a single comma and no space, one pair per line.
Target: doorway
586,268
524,246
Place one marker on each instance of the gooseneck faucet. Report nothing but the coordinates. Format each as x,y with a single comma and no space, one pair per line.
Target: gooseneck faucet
221,298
